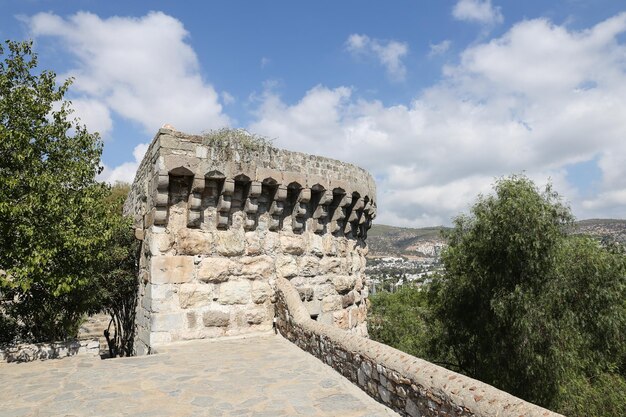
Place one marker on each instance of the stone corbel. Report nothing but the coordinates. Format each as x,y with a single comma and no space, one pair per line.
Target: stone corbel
300,210
339,216
365,223
277,207
321,212
161,198
251,206
354,217
224,203
195,202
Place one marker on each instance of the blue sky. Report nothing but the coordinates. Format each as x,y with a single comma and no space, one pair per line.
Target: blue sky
435,98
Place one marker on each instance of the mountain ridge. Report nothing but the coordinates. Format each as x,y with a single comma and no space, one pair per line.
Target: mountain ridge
385,240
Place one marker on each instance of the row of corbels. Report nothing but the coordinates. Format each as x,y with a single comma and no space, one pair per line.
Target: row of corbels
342,212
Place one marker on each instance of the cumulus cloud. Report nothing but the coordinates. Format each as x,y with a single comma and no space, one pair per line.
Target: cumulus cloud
94,114
126,171
142,69
477,11
539,99
388,53
439,48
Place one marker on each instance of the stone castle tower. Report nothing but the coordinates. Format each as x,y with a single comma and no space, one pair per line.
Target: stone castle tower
222,216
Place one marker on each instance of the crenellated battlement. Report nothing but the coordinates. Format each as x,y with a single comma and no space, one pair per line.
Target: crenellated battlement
222,216
229,176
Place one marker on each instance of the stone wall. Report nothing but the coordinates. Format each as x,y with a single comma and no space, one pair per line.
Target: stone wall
27,352
221,218
406,384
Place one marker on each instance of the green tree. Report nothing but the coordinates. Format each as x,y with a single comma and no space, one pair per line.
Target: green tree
530,309
118,278
53,222
400,319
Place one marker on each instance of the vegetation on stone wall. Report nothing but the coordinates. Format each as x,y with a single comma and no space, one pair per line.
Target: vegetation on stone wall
118,280
228,136
525,306
63,240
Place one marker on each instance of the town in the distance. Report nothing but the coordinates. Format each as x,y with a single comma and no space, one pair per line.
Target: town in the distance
400,256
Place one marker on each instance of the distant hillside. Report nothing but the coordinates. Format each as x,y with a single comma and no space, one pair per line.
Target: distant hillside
404,241
605,230
386,240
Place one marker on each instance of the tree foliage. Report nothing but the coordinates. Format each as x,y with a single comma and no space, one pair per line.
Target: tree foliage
526,307
400,319
522,305
118,280
53,222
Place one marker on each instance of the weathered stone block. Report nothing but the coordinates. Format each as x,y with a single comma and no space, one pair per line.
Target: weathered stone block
344,283
314,244
160,337
358,283
160,291
159,243
331,303
292,244
257,267
194,242
270,243
324,290
194,295
215,269
255,315
286,266
341,319
329,245
164,305
171,269
261,291
308,266
253,244
343,246
166,322
231,242
314,307
215,318
306,293
191,320
330,265
235,292
347,300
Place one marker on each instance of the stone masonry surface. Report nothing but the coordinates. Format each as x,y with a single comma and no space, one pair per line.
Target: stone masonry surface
406,384
259,376
26,352
221,219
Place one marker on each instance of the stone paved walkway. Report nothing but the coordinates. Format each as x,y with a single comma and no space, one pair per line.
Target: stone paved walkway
258,376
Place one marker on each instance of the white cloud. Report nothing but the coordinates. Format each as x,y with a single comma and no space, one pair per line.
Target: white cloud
227,98
439,48
126,171
139,68
479,11
94,114
389,53
536,100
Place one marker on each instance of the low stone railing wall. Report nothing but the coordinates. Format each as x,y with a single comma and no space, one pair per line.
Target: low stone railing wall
411,386
27,352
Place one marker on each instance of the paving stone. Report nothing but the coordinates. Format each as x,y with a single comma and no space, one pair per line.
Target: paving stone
256,376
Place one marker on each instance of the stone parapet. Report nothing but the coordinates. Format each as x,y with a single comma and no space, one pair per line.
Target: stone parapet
406,384
27,352
222,217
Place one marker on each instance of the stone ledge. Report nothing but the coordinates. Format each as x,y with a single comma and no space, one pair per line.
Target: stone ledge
27,352
409,385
